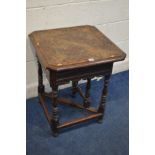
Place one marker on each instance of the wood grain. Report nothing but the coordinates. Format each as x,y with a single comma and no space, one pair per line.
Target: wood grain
71,54
74,47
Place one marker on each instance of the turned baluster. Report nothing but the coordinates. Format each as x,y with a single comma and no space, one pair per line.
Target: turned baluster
55,116
87,93
104,96
74,88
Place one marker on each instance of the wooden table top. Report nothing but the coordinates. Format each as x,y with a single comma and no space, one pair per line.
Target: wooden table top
74,47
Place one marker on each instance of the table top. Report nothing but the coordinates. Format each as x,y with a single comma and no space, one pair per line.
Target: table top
74,47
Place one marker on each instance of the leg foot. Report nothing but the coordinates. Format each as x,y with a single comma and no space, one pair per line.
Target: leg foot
55,134
100,121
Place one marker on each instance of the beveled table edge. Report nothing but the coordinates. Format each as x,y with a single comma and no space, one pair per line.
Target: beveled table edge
74,66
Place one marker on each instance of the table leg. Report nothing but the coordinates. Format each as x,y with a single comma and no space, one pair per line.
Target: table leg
103,97
87,93
41,87
74,88
55,120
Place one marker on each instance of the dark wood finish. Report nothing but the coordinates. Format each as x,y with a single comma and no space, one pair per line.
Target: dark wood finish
42,103
40,79
80,120
103,96
74,88
82,94
55,120
87,94
61,77
76,105
72,54
74,47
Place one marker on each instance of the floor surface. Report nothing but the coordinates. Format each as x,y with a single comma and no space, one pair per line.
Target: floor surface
109,138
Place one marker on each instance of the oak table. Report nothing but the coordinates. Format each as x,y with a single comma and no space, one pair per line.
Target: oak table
72,54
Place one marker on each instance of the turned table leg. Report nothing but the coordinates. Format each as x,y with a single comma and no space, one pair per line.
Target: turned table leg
74,88
41,87
55,117
87,93
103,97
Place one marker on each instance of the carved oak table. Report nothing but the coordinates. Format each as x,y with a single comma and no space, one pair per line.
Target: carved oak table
72,54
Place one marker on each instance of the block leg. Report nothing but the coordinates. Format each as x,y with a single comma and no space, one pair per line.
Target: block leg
41,87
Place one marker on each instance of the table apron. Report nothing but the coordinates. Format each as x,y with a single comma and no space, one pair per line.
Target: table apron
63,77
